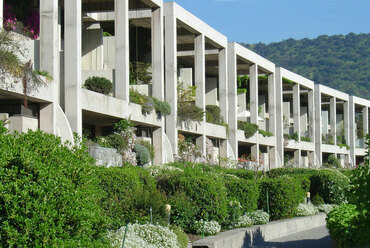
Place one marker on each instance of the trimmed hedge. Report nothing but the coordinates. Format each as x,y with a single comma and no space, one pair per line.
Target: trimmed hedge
99,84
284,195
244,191
331,185
290,172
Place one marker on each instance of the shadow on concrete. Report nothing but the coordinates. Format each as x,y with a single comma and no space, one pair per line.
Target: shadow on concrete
305,243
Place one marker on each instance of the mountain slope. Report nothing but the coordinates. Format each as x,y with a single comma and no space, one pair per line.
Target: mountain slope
339,61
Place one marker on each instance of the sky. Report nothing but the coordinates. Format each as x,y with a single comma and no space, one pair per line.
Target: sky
253,21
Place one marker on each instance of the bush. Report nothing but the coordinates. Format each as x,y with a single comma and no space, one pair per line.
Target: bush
147,235
205,191
148,146
182,238
140,73
234,211
290,172
213,114
259,217
162,107
244,221
114,140
317,200
187,111
249,128
265,133
243,191
146,102
99,84
304,209
207,227
131,191
331,185
347,227
332,162
142,155
49,197
242,173
326,208
284,196
183,211
306,139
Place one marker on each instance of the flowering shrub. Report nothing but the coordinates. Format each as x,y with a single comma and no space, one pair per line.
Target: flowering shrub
159,169
10,20
326,208
209,227
304,209
148,236
32,24
244,221
187,151
259,217
251,163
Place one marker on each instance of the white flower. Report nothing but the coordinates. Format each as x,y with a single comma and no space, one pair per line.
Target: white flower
326,208
210,227
244,221
259,217
306,209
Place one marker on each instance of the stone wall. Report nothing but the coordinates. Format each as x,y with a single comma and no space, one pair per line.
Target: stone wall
105,156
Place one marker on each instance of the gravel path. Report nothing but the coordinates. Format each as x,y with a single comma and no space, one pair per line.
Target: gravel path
313,238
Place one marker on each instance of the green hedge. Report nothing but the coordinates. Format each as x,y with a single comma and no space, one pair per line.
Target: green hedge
131,191
249,128
244,191
99,84
290,172
284,195
49,196
331,185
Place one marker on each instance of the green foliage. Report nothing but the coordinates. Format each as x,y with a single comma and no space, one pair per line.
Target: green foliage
241,91
243,191
147,103
292,137
186,109
148,146
265,133
245,174
114,140
327,139
99,84
259,217
287,81
45,74
140,73
249,128
337,61
317,200
332,162
162,107
182,238
344,145
142,155
183,211
213,114
49,196
131,191
331,185
106,34
284,195
306,139
122,125
290,172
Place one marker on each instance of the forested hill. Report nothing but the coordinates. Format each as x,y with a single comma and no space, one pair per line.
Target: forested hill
339,61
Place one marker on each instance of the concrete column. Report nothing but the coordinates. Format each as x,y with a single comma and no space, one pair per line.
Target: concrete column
171,79
297,157
255,152
47,118
272,119
272,157
201,143
122,68
232,95
346,122
311,113
365,120
318,124
297,110
200,71
158,135
157,54
333,119
72,51
49,53
352,134
311,159
223,87
279,117
1,13
253,95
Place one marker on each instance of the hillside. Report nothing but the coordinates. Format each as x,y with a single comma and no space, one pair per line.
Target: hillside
339,61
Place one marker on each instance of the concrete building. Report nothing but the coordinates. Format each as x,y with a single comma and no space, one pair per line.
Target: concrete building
297,118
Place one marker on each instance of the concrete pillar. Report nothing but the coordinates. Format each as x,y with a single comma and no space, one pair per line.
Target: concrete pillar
223,86
1,13
72,63
346,122
365,120
318,124
255,152
253,95
311,113
311,159
272,119
333,119
49,53
272,157
171,79
200,82
297,157
297,110
157,54
232,95
352,134
279,117
47,117
122,68
159,155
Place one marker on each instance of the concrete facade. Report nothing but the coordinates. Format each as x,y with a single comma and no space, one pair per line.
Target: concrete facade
183,48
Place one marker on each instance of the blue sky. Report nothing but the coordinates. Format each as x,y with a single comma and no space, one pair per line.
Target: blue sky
266,21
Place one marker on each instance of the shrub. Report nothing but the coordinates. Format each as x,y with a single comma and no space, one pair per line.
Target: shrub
259,217
162,107
213,114
131,191
290,172
146,102
242,173
317,200
99,84
331,185
49,197
182,238
326,208
142,155
244,221
243,191
292,137
234,213
332,162
159,169
186,109
114,140
265,133
148,146
140,73
147,235
306,139
207,227
249,128
304,209
284,195
183,211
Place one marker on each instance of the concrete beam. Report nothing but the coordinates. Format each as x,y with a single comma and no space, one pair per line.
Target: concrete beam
297,78
200,71
192,53
72,62
254,58
122,68
171,79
